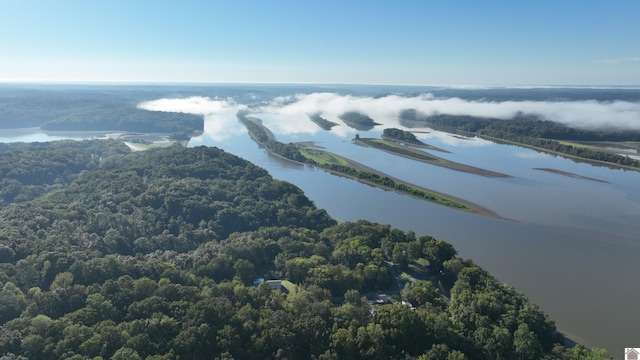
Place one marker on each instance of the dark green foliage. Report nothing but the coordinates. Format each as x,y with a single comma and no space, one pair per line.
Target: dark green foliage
401,135
358,121
256,130
263,137
28,171
531,131
152,256
84,111
387,182
322,122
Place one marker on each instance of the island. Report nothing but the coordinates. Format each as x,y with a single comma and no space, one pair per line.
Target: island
418,155
358,121
323,123
591,146
304,154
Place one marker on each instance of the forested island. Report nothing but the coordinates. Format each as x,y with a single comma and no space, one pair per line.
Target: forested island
532,132
323,123
154,255
358,121
333,163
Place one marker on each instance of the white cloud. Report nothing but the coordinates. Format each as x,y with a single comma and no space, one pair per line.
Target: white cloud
289,115
590,114
219,115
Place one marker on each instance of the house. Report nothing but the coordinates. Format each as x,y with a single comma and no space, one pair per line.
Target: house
275,284
631,354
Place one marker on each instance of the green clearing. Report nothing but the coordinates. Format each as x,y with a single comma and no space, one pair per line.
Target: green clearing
322,157
291,287
575,144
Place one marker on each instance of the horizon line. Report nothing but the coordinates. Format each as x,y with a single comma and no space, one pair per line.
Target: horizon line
205,83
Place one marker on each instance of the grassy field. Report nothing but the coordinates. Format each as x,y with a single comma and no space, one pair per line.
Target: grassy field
322,157
291,287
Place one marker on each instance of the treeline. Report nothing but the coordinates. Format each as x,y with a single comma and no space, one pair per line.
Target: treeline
263,136
357,120
153,256
401,135
528,130
30,170
258,132
386,182
71,111
125,119
322,122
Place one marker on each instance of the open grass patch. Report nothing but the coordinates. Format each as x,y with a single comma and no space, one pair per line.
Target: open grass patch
291,287
322,157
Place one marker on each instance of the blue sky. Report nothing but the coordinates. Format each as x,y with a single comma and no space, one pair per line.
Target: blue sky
586,42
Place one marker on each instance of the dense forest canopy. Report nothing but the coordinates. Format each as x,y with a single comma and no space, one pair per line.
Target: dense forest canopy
153,255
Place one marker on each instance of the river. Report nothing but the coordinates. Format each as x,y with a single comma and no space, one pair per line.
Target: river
570,243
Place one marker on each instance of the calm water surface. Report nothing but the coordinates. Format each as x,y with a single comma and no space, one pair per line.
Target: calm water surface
571,244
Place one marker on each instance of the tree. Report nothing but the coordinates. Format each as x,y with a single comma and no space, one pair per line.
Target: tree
422,293
437,252
126,353
525,343
244,270
12,302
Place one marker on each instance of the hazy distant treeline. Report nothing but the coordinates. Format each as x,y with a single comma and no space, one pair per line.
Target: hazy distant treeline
88,111
529,130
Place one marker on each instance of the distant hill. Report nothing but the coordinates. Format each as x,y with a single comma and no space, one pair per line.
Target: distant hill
87,111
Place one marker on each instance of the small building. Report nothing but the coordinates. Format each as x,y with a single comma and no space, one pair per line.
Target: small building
274,284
